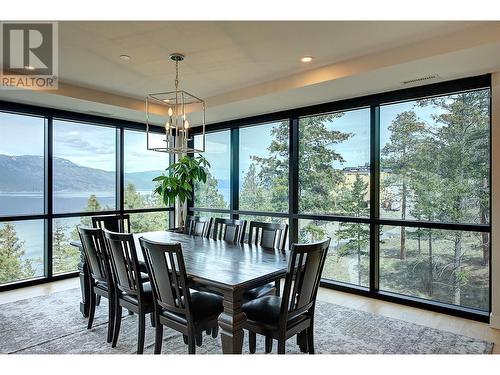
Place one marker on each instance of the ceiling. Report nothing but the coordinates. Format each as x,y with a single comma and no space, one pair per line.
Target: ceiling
250,68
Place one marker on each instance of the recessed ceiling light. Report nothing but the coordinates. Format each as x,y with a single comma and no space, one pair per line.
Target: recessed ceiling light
125,57
29,67
306,59
166,100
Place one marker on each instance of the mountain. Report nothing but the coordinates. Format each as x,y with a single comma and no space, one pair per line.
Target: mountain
25,174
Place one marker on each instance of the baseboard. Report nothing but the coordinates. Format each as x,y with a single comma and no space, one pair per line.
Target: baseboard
494,321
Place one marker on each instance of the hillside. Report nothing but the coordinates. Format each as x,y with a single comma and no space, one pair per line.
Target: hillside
25,174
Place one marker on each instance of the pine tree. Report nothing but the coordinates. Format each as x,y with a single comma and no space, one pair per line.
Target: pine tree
399,154
207,194
253,194
65,257
355,235
12,266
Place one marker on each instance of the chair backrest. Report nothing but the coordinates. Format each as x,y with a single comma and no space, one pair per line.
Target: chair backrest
95,252
113,223
124,262
302,279
269,235
229,230
167,274
198,226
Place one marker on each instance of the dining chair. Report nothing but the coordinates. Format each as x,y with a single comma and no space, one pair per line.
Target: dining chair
229,230
197,226
113,223
280,318
132,292
269,236
101,280
176,306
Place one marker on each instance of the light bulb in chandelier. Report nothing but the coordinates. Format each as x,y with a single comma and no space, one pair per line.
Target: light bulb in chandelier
167,125
186,124
170,112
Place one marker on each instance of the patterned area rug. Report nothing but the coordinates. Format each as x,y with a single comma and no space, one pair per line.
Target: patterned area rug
53,325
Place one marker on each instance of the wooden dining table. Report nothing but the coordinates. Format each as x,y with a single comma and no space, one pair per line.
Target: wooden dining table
227,268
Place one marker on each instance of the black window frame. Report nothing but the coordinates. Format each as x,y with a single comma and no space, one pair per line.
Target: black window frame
49,115
373,102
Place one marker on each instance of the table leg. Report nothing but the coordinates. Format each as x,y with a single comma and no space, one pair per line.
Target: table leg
231,322
84,287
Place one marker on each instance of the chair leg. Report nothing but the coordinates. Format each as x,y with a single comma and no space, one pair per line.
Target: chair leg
141,331
215,331
92,302
302,341
191,344
98,301
111,317
310,339
208,331
130,312
199,337
252,341
153,320
281,346
185,338
269,344
158,336
118,321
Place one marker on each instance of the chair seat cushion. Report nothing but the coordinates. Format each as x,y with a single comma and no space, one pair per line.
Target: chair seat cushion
258,292
264,309
203,306
147,294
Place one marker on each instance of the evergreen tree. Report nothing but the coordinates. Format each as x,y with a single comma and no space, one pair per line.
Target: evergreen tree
253,194
12,266
65,257
207,194
355,235
399,156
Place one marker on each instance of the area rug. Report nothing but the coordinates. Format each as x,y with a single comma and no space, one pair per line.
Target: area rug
53,325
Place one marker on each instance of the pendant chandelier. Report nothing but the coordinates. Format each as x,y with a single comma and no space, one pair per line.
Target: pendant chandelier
176,109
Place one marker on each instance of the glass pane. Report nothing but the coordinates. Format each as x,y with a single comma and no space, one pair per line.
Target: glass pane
141,166
264,167
65,258
84,167
22,164
149,221
435,159
440,265
210,214
21,250
348,258
334,163
215,192
265,219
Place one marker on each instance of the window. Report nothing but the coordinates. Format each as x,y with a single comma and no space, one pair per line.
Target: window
84,166
435,159
21,250
348,258
215,192
334,163
149,221
141,166
263,163
65,257
22,164
440,265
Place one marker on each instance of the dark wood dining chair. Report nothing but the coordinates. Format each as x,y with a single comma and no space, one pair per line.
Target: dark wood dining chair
229,230
131,292
198,226
271,236
280,318
113,223
101,280
268,235
177,307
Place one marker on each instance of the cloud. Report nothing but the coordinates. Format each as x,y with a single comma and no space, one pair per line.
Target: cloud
74,140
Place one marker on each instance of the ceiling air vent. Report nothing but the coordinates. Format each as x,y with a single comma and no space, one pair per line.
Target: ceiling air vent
420,79
97,113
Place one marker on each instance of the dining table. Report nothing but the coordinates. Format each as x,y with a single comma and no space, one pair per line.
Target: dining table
227,268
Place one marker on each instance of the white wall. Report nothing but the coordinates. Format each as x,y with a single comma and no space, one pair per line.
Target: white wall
495,206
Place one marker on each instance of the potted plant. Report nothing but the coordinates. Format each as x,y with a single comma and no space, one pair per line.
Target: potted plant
176,186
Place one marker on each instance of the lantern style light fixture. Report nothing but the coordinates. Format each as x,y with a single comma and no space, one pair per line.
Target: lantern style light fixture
175,108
